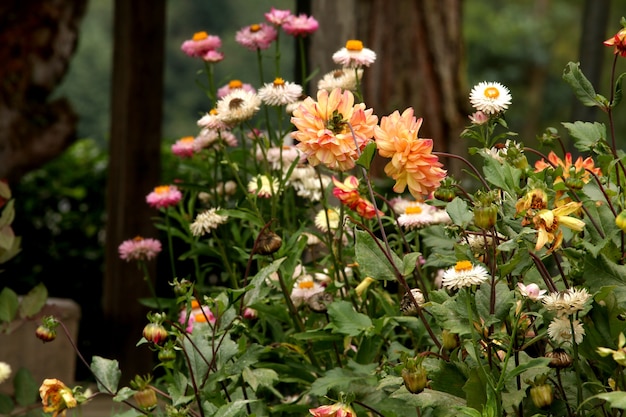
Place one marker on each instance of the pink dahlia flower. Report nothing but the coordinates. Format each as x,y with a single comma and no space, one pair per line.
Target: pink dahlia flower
324,128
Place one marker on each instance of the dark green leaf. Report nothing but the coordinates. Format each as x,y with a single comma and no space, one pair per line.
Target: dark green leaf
345,320
107,373
367,155
582,87
371,259
26,388
344,379
9,304
233,409
6,404
503,176
617,97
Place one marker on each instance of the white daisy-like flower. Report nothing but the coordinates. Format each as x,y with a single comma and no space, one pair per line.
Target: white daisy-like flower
344,78
307,184
560,331
5,372
325,218
207,221
464,274
281,157
566,302
263,186
280,92
416,215
305,287
238,106
490,97
531,291
354,55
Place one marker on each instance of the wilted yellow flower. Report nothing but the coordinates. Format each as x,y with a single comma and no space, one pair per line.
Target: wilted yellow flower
56,397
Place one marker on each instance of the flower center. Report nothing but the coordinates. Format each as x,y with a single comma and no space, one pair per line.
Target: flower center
279,82
195,304
338,74
235,84
235,103
354,45
187,139
413,210
305,285
213,112
162,189
137,238
463,266
200,318
199,36
492,92
255,28
336,124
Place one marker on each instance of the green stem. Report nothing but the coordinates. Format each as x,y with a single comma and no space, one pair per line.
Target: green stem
146,277
169,241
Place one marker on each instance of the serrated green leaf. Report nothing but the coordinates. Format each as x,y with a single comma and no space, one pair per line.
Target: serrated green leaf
367,155
9,304
258,281
34,301
504,176
345,320
459,212
178,389
581,86
599,272
586,135
107,373
371,259
26,388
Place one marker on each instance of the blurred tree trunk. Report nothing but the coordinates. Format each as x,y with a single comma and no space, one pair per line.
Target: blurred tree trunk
591,52
419,51
38,40
134,170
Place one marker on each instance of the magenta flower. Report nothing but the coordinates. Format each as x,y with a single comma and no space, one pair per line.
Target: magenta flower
257,36
277,17
139,249
201,44
164,196
300,25
184,147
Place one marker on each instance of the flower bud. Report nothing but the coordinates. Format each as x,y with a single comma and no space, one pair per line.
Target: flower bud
541,395
155,333
167,354
485,216
268,243
250,313
620,221
444,194
415,380
46,331
559,359
449,340
146,398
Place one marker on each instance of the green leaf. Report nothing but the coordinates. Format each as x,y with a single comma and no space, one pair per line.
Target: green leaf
431,398
34,301
409,262
503,176
616,399
178,388
8,214
258,281
617,97
7,238
540,363
107,373
9,304
124,394
26,388
371,259
582,87
345,320
367,155
318,336
261,377
344,379
233,409
599,272
586,135
504,299
459,212
6,404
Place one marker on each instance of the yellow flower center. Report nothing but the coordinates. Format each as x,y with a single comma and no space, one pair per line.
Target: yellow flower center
213,112
492,92
463,266
354,45
235,84
199,36
305,285
279,82
255,28
162,189
413,210
195,304
200,318
187,139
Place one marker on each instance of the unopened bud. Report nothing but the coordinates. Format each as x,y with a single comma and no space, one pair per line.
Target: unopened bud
485,216
155,333
541,395
146,398
268,243
449,340
415,380
46,331
620,221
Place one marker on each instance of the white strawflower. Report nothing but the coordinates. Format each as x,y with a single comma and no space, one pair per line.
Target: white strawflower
238,106
490,97
324,218
566,302
344,78
354,55
560,330
5,372
207,221
464,274
280,92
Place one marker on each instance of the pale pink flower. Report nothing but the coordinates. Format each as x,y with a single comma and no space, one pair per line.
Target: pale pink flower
257,36
213,56
531,291
326,127
277,17
139,249
184,147
201,44
212,121
354,55
232,86
300,25
198,315
479,118
164,196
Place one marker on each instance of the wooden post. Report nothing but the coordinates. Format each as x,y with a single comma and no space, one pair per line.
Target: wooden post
134,170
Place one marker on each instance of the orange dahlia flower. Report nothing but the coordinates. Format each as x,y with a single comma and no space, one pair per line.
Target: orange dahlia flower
412,162
324,133
577,170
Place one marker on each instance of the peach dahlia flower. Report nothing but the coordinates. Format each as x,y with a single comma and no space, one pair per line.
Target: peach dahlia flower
324,133
412,163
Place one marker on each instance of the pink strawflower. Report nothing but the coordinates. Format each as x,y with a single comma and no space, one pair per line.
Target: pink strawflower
139,249
300,25
277,17
164,196
197,316
201,44
213,56
234,85
257,36
184,147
